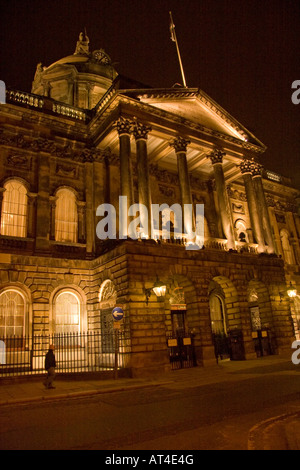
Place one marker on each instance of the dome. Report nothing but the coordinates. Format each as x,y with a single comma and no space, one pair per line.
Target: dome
80,79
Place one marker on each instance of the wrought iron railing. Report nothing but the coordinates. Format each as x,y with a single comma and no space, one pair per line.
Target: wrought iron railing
74,352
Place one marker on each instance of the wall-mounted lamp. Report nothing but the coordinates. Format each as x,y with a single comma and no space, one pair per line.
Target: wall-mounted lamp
292,292
159,290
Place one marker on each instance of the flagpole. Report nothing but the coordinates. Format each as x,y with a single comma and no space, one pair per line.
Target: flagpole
174,39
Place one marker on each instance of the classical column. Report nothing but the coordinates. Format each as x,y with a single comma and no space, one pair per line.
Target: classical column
262,204
124,128
216,157
140,132
246,170
180,146
89,207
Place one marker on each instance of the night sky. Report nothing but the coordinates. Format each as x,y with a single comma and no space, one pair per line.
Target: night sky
244,54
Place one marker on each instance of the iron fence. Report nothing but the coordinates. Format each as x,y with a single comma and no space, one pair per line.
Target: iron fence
74,352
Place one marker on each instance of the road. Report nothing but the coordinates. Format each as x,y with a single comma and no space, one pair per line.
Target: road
179,415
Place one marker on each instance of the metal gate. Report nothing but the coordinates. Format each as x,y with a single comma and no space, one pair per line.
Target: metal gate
230,346
263,343
181,350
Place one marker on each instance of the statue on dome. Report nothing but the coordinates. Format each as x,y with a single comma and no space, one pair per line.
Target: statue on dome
38,72
82,46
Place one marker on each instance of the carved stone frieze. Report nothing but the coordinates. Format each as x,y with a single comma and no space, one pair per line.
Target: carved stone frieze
67,171
87,154
19,161
167,191
235,194
163,175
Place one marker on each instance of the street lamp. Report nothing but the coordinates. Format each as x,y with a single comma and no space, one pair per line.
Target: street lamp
292,292
159,290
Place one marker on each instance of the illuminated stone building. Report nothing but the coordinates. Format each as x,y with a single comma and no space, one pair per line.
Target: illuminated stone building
86,135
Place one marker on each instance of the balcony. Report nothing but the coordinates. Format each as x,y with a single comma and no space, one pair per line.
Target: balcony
45,104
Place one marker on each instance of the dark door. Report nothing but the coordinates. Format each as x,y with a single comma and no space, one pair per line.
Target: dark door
180,342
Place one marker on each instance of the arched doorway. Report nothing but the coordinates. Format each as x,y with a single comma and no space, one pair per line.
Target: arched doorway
225,319
180,338
107,301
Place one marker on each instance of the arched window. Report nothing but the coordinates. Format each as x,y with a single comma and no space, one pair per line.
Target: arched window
12,313
107,300
217,316
66,218
241,230
286,247
67,313
14,210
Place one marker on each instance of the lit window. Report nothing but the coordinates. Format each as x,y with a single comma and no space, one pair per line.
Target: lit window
66,218
67,313
12,313
14,210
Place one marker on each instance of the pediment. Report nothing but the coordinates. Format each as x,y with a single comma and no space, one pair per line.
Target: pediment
199,108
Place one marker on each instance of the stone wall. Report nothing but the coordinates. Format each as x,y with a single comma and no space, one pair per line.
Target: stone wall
134,266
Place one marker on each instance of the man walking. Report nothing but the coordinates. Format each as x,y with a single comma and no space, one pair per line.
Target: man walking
50,365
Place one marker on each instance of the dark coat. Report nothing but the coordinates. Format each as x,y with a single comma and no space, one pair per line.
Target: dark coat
50,360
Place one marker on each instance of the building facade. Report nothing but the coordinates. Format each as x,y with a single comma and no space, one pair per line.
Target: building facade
84,137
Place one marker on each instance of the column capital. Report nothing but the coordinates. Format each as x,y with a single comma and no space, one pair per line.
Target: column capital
246,166
216,156
257,169
180,144
124,126
140,131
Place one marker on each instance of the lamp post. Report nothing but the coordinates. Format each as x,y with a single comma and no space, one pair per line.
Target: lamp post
159,290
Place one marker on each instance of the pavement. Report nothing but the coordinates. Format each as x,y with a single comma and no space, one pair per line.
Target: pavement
280,432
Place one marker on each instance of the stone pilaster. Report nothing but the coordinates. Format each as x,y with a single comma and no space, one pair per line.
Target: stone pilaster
90,210
43,205
31,217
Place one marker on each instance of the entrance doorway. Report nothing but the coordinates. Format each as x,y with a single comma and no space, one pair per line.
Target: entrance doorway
219,327
180,342
261,335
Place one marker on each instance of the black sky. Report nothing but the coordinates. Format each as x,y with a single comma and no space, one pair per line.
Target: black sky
244,54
